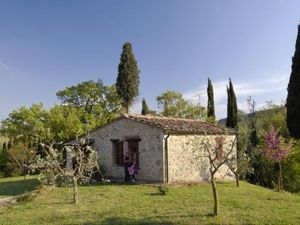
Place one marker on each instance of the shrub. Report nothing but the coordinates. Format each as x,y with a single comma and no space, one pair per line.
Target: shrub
162,189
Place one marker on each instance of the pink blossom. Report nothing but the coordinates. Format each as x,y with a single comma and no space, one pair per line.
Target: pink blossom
275,147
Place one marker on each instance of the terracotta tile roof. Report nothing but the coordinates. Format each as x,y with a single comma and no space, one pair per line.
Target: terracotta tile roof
180,125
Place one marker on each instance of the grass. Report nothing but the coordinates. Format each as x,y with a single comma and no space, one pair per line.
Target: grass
12,186
140,205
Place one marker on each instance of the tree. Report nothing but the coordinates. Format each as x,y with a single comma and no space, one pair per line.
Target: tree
276,149
128,79
26,125
210,102
172,104
66,123
21,155
4,163
96,99
84,160
217,157
231,107
293,97
145,109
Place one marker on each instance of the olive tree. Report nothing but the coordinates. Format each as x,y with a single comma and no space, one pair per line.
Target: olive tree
84,163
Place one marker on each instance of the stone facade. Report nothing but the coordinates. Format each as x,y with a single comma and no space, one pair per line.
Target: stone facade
184,165
162,158
150,148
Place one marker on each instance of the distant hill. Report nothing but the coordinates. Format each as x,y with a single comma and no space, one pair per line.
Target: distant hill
259,113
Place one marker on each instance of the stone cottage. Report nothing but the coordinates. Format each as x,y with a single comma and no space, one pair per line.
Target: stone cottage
160,146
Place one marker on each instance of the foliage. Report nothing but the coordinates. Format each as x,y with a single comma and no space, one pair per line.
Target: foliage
210,102
145,108
173,104
26,125
293,103
64,123
21,156
96,103
276,149
162,189
4,163
128,79
291,170
231,107
272,115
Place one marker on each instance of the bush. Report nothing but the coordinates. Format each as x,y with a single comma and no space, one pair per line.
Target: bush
63,181
291,172
162,189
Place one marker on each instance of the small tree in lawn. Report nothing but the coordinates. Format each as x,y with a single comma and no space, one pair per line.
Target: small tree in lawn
276,149
83,157
217,157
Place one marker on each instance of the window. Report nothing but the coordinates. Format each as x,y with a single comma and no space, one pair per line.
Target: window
117,152
219,147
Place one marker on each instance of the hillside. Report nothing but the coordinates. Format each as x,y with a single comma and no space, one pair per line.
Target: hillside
140,204
258,114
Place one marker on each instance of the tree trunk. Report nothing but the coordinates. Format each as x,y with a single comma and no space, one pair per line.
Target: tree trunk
75,190
24,172
279,180
215,194
237,180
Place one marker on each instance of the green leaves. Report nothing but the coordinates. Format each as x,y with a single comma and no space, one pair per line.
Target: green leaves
84,107
128,79
173,104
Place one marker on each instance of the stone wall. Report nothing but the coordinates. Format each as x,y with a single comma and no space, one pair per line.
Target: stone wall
150,148
184,166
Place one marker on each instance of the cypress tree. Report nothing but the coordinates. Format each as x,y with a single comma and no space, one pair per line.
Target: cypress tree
231,107
145,108
128,79
210,101
293,97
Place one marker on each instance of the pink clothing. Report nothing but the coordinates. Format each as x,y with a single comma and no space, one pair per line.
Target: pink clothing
131,169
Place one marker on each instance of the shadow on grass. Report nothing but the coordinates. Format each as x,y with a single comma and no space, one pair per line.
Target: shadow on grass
13,188
127,221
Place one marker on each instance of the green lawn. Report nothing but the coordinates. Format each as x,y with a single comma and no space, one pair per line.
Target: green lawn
139,204
12,186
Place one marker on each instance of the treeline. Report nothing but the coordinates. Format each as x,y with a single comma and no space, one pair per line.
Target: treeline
82,108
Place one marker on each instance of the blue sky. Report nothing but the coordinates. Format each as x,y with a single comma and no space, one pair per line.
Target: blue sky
48,45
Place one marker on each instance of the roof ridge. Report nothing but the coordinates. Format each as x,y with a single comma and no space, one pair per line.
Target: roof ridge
149,116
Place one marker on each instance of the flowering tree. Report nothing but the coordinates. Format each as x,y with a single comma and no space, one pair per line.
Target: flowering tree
83,157
276,149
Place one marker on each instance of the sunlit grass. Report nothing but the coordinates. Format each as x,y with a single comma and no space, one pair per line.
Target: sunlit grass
139,204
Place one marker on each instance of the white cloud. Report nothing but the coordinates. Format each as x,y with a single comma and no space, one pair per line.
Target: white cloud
6,69
257,89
